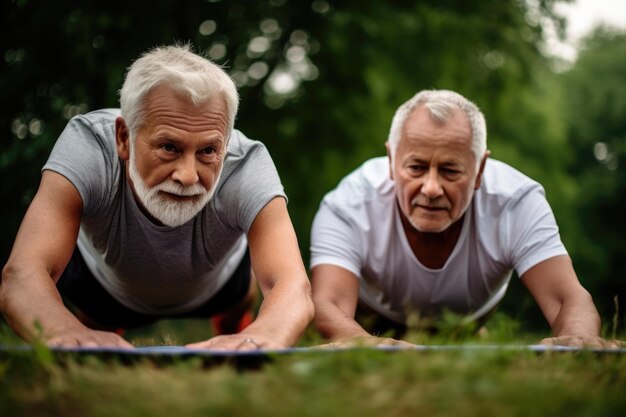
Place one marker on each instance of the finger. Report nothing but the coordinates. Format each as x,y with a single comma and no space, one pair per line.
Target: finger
394,342
120,342
105,340
618,343
198,345
249,344
607,344
125,344
338,345
404,344
210,344
62,342
213,346
326,346
244,348
571,341
547,341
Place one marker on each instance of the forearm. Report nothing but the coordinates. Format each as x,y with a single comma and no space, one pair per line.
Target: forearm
577,317
32,305
286,311
335,324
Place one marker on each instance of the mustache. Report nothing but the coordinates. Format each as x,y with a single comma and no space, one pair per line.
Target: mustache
438,203
175,188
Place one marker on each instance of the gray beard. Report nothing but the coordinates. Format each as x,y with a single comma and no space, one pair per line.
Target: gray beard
169,212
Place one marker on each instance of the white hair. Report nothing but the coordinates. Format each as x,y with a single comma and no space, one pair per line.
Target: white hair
178,67
441,104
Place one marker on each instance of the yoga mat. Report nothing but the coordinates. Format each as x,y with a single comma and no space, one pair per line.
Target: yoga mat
253,359
181,351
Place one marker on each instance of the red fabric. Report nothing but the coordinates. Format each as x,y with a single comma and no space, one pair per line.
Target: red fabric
218,323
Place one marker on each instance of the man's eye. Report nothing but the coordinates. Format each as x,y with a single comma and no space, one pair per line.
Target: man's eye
448,171
209,150
168,147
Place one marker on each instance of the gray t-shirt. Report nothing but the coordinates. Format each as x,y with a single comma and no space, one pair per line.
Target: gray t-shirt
159,269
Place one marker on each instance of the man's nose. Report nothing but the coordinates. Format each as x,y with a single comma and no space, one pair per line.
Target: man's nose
185,172
431,187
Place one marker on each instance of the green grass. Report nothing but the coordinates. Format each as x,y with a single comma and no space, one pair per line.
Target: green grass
357,382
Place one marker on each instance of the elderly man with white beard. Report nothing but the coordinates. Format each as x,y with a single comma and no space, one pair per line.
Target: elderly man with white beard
158,210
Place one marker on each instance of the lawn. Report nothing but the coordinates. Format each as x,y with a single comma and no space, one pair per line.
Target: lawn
360,382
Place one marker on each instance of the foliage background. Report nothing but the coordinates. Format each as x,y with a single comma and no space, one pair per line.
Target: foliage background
319,81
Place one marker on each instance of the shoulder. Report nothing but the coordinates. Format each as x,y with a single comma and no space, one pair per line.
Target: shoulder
502,184
89,135
240,146
97,120
243,158
247,160
86,155
94,127
368,184
245,155
249,180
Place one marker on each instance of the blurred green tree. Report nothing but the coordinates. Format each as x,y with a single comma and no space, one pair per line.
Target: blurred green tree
594,93
319,81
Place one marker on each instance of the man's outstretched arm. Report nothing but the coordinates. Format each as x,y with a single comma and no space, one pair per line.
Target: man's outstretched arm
566,305
287,308
335,296
29,299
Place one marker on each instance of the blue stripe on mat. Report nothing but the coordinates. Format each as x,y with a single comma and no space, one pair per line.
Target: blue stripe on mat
176,351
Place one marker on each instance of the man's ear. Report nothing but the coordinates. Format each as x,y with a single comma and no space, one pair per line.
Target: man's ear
122,139
388,147
479,177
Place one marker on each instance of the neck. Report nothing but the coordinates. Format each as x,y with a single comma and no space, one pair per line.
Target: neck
432,249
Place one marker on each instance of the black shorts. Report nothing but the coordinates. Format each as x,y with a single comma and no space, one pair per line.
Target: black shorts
81,290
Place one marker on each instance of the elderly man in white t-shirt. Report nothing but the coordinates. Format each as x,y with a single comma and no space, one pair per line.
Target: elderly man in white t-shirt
437,225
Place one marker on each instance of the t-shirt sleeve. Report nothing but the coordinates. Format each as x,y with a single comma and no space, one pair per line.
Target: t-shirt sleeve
335,240
83,156
533,233
252,182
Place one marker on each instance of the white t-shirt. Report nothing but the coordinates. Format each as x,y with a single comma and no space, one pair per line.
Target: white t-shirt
508,225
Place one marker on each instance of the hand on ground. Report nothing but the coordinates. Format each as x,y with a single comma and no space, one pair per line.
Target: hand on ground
365,341
583,342
88,338
241,341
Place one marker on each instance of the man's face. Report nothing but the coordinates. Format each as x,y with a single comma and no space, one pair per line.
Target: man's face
177,156
434,170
